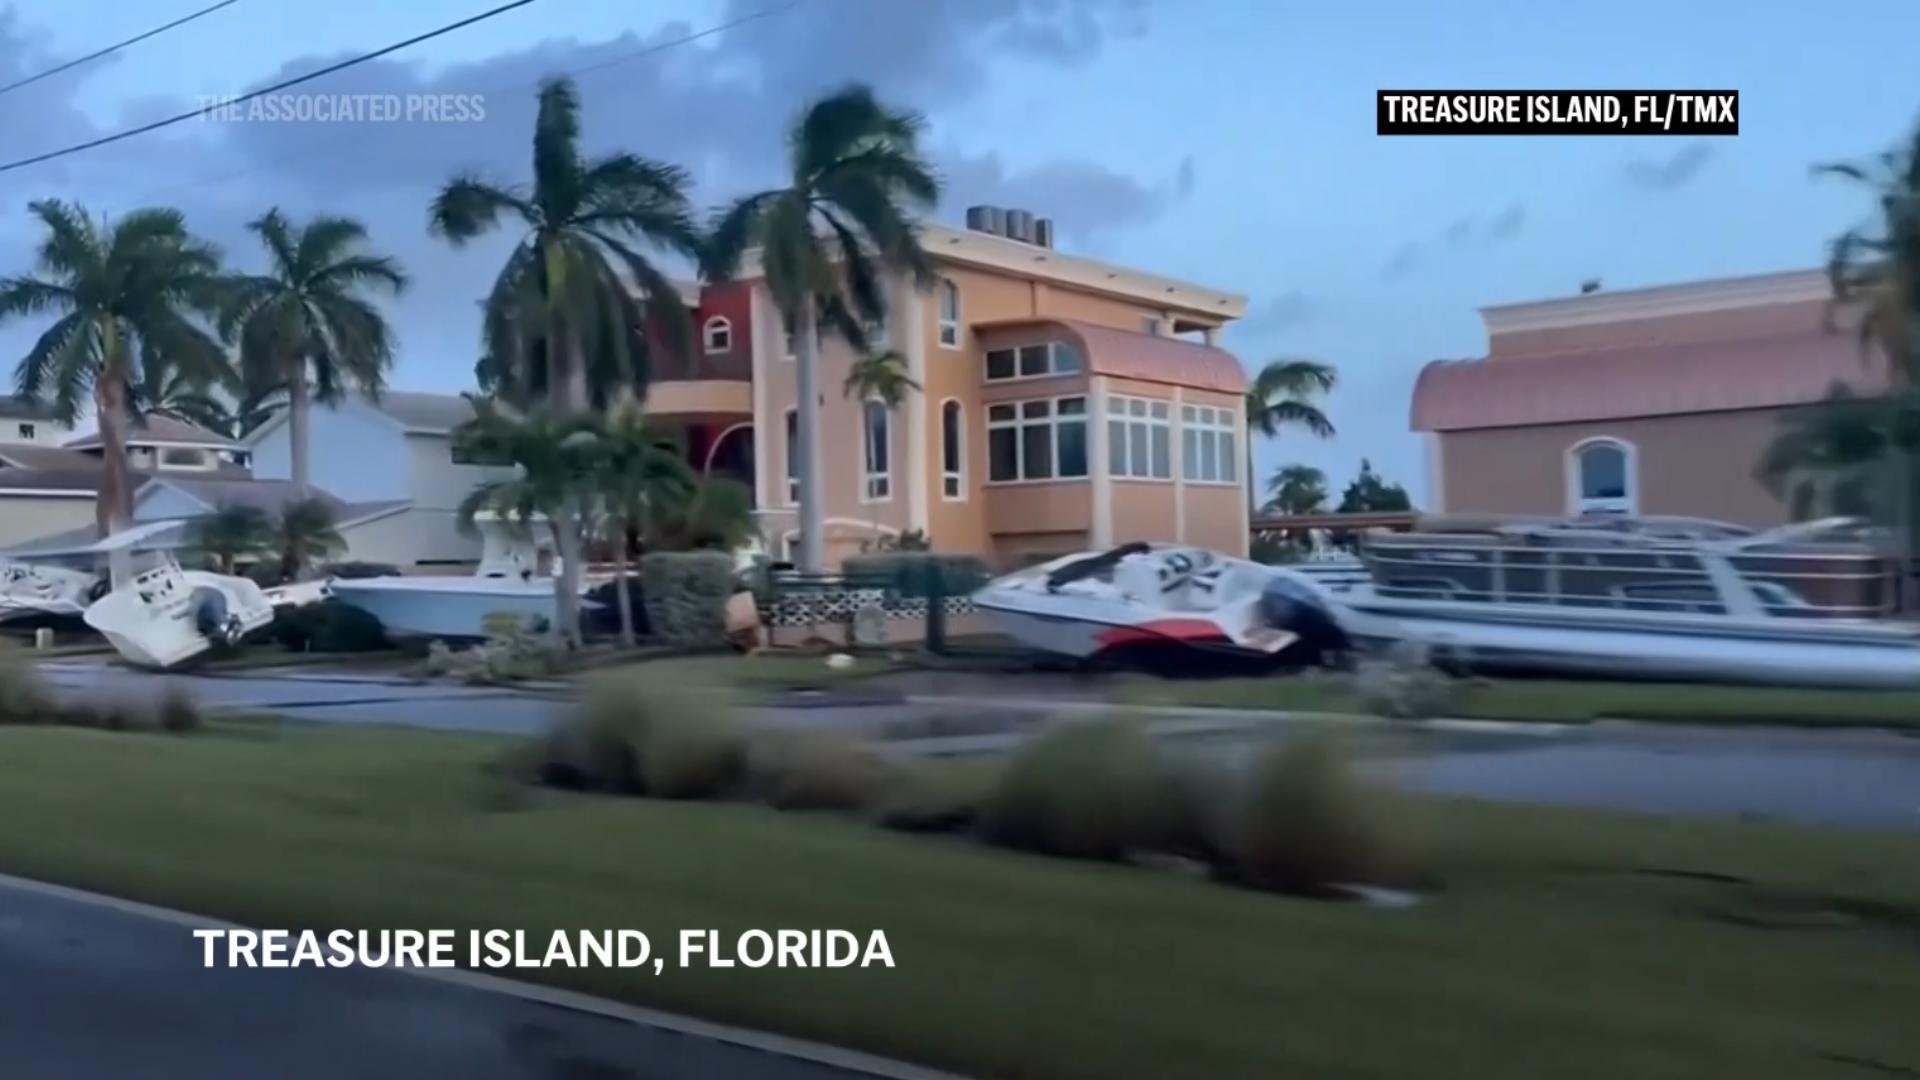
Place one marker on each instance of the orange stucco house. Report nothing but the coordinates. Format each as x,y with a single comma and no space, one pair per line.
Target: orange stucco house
1644,401
1066,404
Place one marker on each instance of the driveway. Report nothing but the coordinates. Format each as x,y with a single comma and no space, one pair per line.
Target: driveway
94,992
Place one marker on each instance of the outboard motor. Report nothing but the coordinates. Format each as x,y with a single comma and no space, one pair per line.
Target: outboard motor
211,618
1294,606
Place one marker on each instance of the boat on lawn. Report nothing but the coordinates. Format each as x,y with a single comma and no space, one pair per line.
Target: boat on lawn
41,593
164,616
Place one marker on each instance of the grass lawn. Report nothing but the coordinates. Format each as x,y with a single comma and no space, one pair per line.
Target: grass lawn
1566,944
1562,701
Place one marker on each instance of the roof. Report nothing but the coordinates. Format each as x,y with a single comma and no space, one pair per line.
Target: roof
1639,380
267,495
1126,354
171,533
15,407
156,430
430,414
51,482
29,456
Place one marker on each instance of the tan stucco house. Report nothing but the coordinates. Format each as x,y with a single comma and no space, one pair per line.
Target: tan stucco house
1645,401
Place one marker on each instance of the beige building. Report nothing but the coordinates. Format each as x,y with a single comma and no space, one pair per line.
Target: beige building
1067,404
1645,401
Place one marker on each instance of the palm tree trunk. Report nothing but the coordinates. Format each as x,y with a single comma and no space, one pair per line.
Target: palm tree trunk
299,420
620,586
813,510
113,510
566,388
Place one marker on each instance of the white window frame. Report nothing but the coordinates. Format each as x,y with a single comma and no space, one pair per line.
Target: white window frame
949,323
953,482
1125,413
1054,370
1219,425
875,487
1578,503
722,326
1051,421
792,432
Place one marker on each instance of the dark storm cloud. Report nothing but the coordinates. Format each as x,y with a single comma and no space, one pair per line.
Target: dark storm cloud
1084,199
1464,235
1282,312
1670,173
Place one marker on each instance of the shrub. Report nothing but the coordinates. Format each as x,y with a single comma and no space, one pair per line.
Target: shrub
26,699
514,657
24,696
937,796
818,770
632,734
1082,789
1186,809
177,712
686,596
329,626
1305,822
1404,684
688,753
915,573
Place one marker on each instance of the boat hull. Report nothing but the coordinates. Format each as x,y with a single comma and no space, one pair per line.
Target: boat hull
454,608
158,619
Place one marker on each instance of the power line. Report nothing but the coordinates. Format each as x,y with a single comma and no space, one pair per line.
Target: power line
357,132
275,88
134,40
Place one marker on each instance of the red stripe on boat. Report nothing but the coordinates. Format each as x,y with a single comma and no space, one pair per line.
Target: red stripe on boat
1162,630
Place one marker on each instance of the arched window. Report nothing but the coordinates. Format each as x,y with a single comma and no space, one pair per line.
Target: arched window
949,295
1602,478
879,480
953,451
718,335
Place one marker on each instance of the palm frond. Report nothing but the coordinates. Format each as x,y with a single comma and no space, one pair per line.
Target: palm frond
469,206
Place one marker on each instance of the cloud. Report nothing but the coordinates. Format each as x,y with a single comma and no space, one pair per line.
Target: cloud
1672,173
1465,235
1280,312
718,106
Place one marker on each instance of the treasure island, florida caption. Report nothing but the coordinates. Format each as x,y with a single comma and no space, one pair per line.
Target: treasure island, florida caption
239,948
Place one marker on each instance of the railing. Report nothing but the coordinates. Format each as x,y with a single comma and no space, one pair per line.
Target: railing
793,599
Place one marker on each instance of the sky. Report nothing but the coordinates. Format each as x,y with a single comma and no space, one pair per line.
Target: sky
1229,142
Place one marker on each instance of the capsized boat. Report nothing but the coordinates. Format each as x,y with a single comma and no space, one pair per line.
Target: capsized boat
38,590
164,616
1651,598
1102,603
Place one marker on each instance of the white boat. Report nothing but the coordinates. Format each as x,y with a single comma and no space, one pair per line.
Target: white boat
164,616
29,590
1155,595
513,580
1671,599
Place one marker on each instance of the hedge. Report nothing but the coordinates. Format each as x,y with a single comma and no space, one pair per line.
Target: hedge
686,595
911,572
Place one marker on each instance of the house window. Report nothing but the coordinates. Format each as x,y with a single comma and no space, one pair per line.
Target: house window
793,457
183,457
26,431
1207,445
718,335
1150,326
1139,439
1032,361
953,446
949,314
1043,439
878,486
1601,477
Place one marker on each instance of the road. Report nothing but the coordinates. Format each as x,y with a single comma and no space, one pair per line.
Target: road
91,992
1869,778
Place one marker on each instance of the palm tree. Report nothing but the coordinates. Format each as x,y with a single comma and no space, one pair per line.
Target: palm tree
173,393
231,532
1877,267
639,474
576,286
1297,489
122,290
306,327
306,531
555,455
878,378
717,513
856,178
1281,396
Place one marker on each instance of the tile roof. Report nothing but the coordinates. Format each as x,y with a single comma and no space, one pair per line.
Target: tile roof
1147,357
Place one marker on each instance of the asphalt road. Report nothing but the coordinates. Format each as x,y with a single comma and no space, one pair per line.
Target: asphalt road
96,993
1867,778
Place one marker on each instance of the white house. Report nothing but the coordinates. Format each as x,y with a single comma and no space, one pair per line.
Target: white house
392,459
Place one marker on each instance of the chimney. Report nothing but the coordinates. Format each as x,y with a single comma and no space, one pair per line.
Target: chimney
1020,225
1043,232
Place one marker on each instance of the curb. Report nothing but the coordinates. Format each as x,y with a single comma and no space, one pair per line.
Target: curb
1208,719
850,1061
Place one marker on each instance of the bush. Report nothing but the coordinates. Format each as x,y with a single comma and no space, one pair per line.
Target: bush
1404,684
818,770
26,699
940,796
1082,789
914,573
636,735
330,626
513,657
1306,822
177,712
686,596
